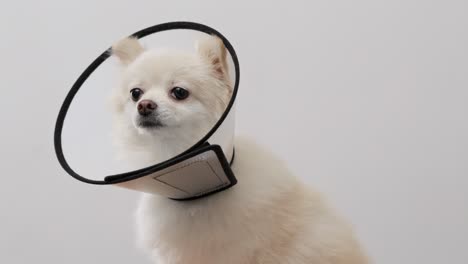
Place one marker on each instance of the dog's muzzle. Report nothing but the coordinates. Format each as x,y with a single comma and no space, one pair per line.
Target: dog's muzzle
201,170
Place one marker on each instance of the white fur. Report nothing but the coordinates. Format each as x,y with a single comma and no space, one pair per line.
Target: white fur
268,217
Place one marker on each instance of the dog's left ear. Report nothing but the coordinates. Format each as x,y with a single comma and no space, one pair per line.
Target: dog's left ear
127,50
212,49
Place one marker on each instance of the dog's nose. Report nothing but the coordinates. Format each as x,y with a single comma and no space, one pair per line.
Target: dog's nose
146,107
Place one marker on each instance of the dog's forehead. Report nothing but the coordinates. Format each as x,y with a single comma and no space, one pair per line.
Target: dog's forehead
153,66
154,61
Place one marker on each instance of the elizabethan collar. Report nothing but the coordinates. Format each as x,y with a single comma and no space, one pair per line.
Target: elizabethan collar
201,170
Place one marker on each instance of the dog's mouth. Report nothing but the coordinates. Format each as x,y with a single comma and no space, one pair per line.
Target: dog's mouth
149,123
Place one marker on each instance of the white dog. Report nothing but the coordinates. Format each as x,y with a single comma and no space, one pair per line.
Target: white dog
166,102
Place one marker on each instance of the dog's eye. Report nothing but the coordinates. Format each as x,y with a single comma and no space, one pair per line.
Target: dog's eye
136,93
179,93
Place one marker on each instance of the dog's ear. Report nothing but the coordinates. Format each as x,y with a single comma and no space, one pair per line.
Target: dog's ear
213,51
127,50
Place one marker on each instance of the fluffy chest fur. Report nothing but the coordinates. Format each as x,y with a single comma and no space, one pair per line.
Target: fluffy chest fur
269,217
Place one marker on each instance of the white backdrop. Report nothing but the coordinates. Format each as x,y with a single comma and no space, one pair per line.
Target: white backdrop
366,100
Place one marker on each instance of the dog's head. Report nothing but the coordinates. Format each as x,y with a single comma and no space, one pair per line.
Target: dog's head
168,95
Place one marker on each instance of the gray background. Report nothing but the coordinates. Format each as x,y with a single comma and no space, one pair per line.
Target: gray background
366,100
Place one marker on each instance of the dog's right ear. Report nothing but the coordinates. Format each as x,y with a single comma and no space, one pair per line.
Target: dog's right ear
127,50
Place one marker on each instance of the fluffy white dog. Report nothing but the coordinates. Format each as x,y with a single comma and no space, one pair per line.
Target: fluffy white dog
166,102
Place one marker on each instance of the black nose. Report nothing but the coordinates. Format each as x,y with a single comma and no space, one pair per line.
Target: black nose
146,107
